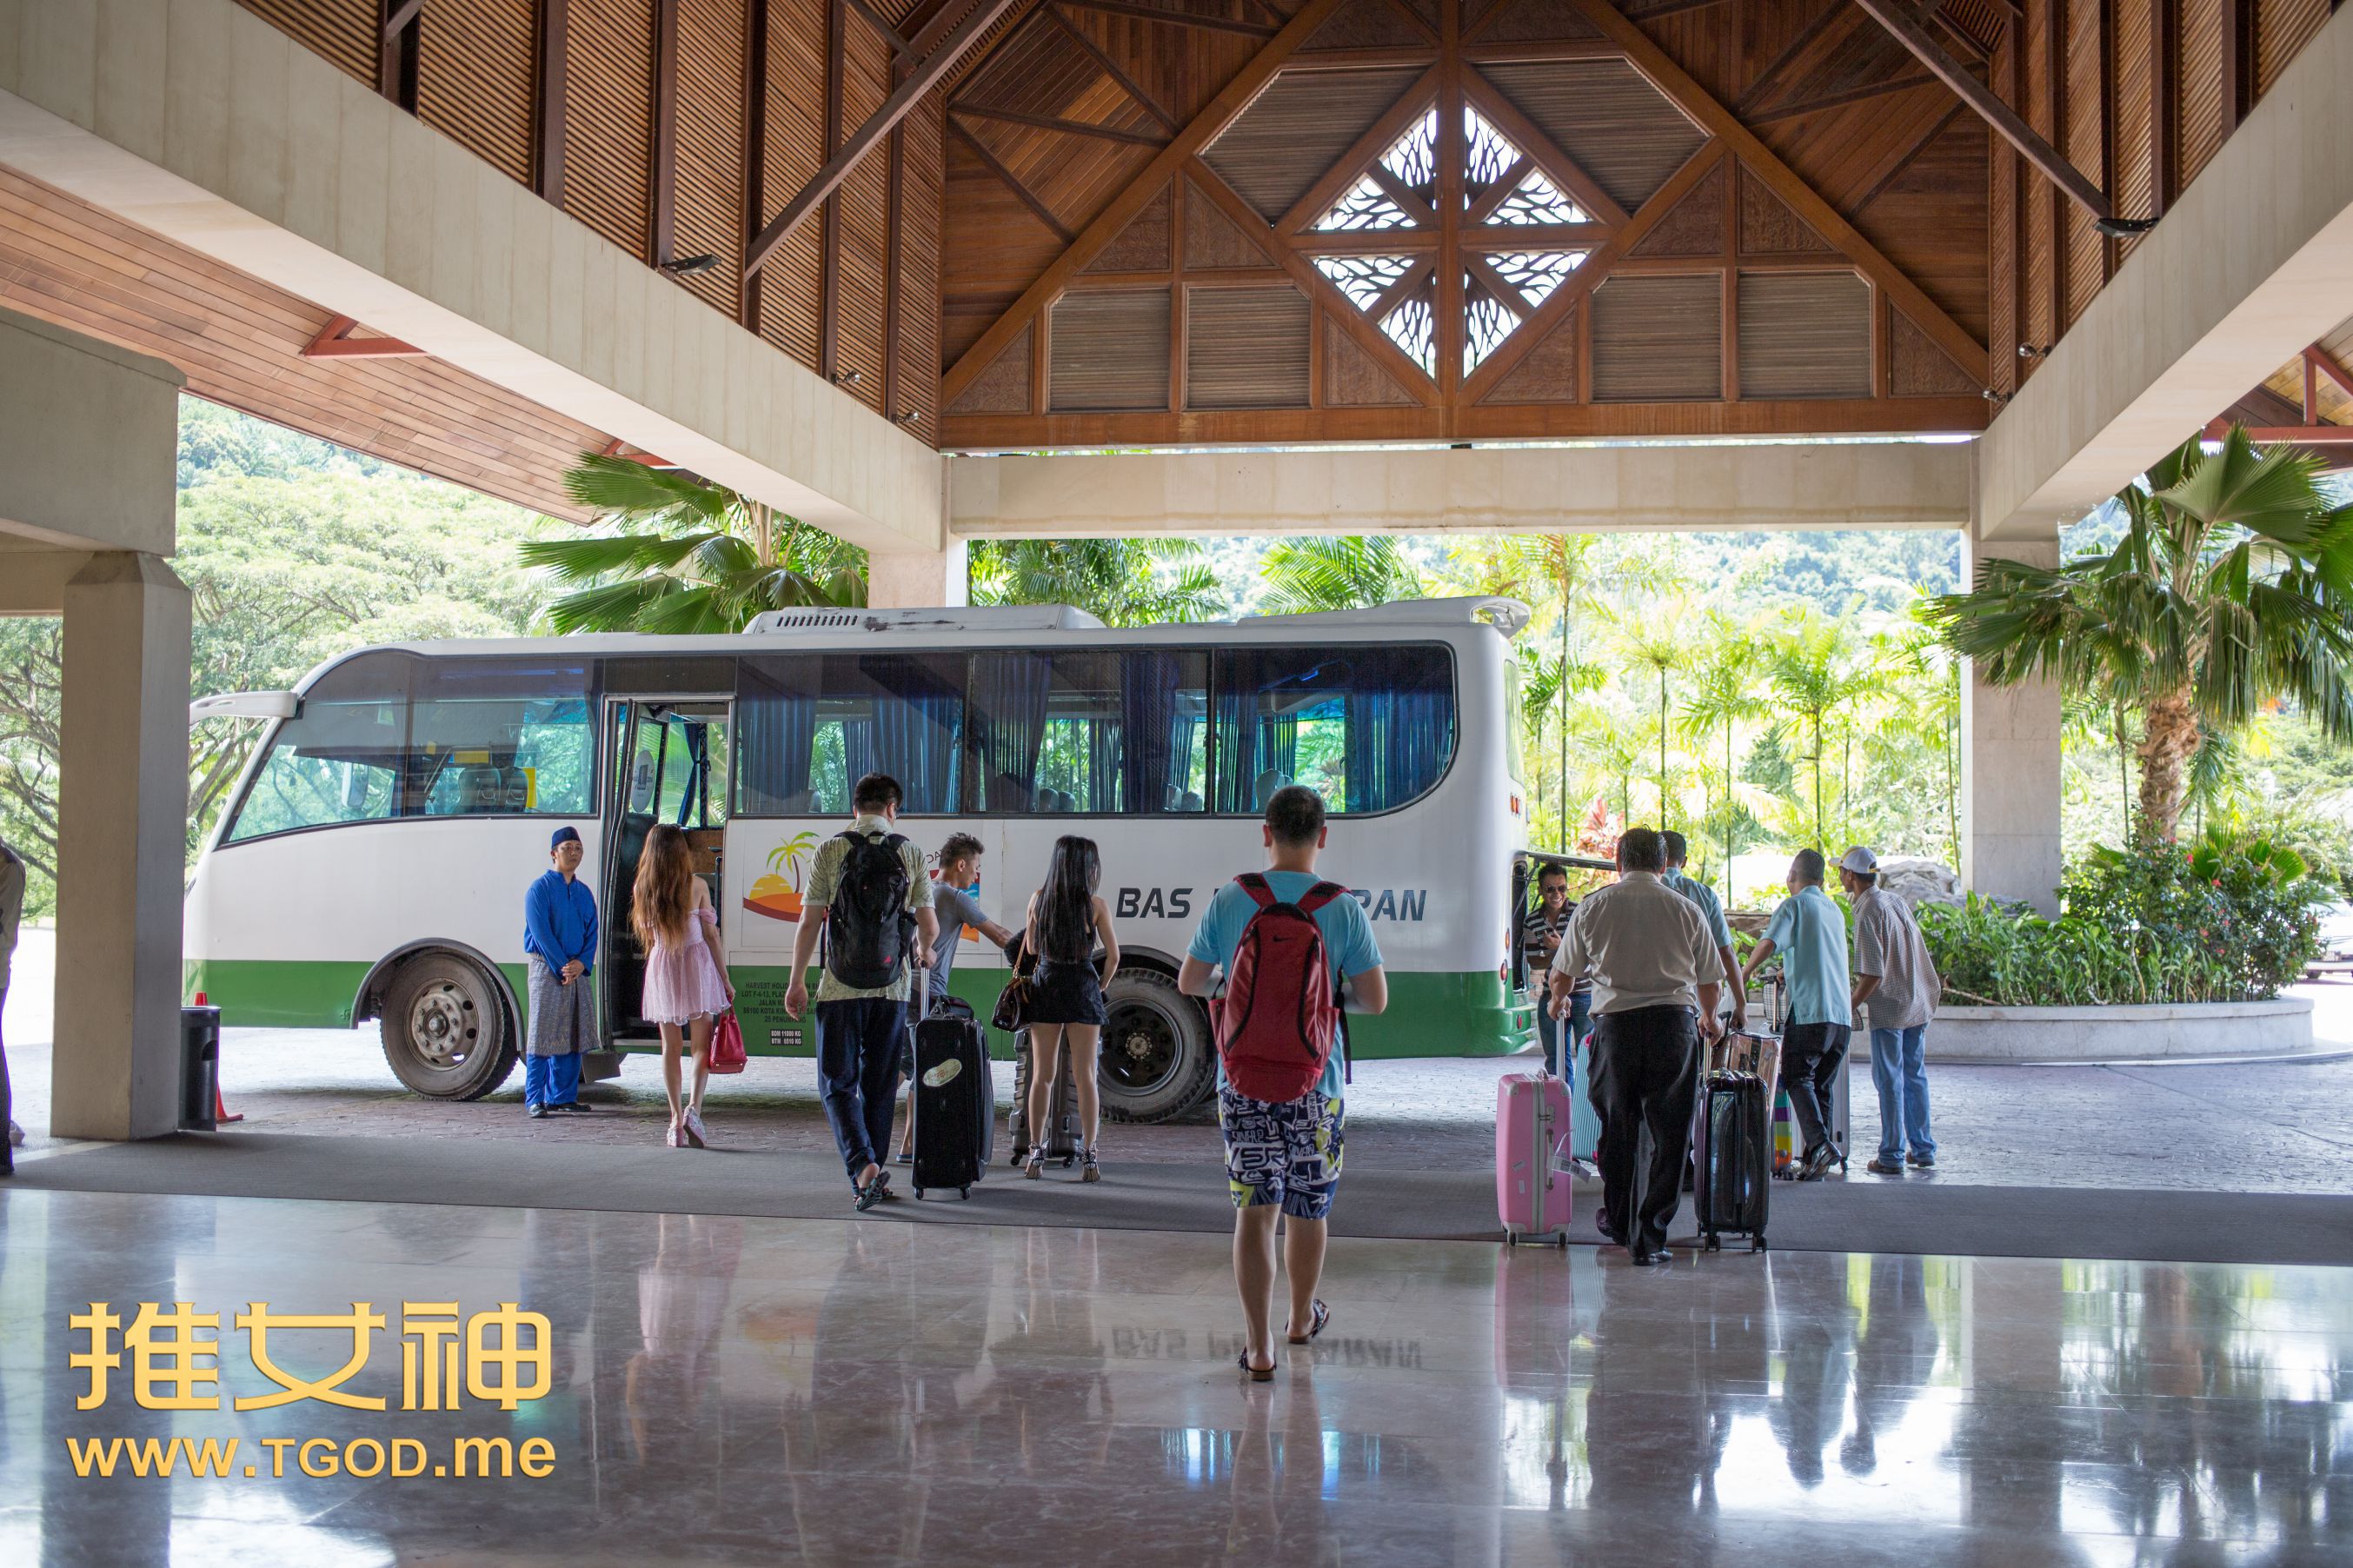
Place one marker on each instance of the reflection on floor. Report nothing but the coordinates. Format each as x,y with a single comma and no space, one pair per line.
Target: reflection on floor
760,1390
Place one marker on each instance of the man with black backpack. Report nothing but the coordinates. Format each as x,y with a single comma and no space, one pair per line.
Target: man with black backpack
871,898
1285,941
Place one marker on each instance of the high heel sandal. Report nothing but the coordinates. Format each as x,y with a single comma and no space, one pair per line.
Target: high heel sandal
691,1125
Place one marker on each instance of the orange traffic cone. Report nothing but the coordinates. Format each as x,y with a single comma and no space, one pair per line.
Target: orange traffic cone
220,1106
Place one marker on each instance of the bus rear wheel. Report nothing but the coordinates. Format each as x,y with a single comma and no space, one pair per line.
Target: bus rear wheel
1157,1059
445,1028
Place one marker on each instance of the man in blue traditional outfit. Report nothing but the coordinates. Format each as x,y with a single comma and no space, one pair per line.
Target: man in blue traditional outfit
559,942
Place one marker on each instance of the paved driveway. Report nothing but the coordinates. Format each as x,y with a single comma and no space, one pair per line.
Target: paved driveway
2263,1127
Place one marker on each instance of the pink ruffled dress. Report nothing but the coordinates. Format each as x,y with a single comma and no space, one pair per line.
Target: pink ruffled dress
683,983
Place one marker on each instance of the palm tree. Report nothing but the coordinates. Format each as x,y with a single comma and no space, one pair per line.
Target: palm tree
1651,636
1723,696
1551,682
673,552
1810,663
1337,573
2233,586
1122,581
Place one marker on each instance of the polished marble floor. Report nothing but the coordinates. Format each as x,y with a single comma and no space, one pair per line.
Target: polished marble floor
725,1390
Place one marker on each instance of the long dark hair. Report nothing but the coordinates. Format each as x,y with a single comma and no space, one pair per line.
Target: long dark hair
661,902
1066,904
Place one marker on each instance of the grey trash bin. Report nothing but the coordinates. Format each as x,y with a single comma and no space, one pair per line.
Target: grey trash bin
199,1068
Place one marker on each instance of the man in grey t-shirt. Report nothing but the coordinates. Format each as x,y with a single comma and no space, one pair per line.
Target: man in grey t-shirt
1896,986
954,908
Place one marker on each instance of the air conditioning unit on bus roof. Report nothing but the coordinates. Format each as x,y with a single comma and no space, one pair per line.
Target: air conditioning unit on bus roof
964,619
1506,616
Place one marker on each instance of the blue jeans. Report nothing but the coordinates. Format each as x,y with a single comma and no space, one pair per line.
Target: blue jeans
1899,1072
859,1042
1580,1023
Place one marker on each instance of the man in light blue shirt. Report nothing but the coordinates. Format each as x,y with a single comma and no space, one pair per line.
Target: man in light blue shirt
1711,909
1809,933
1284,1159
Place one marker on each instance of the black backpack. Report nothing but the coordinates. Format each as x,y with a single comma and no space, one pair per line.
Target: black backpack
868,931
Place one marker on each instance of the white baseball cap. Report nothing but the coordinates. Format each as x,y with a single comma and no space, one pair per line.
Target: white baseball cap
1860,861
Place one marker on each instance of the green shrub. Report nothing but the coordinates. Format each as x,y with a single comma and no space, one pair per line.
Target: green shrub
2225,918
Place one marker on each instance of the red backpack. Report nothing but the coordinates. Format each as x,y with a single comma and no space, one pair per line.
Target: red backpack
1279,1019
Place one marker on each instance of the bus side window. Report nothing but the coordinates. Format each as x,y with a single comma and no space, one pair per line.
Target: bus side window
1370,726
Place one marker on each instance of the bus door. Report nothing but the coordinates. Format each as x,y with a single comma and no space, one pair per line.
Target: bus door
669,763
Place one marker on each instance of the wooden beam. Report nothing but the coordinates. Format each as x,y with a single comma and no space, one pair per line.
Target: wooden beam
755,142
334,341
895,108
2238,62
1066,127
553,42
2317,358
1450,329
2164,110
2294,435
895,183
1702,106
395,71
828,293
882,29
1507,293
1538,51
665,149
1204,128
1112,69
1497,191
1907,31
1175,18
1043,213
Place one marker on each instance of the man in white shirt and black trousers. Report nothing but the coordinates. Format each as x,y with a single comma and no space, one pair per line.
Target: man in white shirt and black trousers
1656,976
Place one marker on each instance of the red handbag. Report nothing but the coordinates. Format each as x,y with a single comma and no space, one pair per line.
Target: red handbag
727,1044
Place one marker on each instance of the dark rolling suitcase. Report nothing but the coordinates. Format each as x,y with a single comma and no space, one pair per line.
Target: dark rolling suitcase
1061,1108
1736,1159
954,1099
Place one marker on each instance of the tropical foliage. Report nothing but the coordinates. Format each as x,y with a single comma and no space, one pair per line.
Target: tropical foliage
1122,581
2227,918
673,552
2229,586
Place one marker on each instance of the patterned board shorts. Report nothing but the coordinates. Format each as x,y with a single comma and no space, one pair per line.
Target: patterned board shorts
1287,1154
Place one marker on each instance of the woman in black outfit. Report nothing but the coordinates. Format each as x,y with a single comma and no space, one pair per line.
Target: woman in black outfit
1066,994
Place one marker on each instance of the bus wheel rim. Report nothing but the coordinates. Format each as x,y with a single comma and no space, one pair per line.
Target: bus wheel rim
1142,1049
441,1024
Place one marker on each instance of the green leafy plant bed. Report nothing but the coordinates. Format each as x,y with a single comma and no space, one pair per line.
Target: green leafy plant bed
2221,919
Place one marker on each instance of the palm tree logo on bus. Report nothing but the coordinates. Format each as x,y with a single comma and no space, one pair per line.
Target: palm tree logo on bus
778,895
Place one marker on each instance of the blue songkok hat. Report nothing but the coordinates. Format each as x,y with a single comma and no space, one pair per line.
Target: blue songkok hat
563,835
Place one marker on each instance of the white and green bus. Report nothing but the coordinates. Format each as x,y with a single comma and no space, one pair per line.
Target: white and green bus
373,861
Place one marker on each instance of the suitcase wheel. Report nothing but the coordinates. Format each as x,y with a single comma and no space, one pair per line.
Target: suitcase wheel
1564,1241
1714,1244
1069,1161
1511,1238
1757,1245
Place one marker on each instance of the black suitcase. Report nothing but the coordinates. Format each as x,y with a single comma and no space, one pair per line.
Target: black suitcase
954,1099
1061,1108
1736,1158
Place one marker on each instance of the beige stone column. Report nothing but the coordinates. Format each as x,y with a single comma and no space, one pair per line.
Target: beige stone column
122,833
2009,767
903,581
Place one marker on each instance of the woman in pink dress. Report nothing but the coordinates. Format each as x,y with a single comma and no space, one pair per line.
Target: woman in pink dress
686,970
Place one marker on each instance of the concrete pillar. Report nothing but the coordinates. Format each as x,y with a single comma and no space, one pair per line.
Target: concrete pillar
122,856
903,581
2009,768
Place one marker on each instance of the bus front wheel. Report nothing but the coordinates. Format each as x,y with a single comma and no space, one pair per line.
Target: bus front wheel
1158,1057
445,1028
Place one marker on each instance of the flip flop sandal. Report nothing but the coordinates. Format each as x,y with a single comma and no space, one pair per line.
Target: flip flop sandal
868,1195
1257,1373
1318,1316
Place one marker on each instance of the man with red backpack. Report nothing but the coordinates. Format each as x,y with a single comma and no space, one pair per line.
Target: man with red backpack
1286,941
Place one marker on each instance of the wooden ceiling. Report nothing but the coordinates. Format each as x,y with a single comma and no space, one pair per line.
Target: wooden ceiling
1751,216
1122,173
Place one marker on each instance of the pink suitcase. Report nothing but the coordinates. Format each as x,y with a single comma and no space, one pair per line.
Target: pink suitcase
1532,1176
